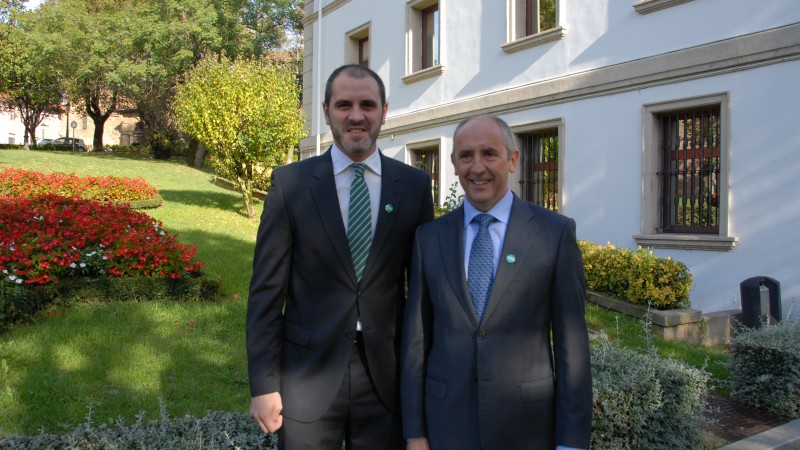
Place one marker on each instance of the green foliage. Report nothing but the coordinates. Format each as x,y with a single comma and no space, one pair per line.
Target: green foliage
20,304
642,401
30,80
246,113
765,367
216,430
638,277
453,201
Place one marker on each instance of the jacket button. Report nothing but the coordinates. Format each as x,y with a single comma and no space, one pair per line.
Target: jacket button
349,335
482,335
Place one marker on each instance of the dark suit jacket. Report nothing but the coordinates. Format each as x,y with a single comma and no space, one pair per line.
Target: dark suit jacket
499,384
302,257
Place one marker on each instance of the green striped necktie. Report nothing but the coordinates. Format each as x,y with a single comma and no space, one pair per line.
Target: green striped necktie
359,223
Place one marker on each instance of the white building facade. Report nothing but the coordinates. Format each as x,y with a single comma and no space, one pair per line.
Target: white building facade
668,124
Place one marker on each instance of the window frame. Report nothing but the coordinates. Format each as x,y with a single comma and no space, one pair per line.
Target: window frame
648,6
518,19
650,236
537,127
354,44
415,41
411,158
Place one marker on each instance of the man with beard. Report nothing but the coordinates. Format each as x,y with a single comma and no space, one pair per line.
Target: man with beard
328,286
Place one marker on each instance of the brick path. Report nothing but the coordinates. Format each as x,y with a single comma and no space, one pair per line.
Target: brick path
733,421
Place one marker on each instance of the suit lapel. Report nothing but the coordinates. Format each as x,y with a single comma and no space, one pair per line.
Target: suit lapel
391,195
451,251
323,193
518,248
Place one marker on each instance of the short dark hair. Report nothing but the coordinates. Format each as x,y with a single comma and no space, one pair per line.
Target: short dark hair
355,71
508,135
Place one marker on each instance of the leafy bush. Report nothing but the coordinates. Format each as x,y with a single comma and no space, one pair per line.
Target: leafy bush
765,367
48,238
19,304
638,277
216,430
642,401
24,183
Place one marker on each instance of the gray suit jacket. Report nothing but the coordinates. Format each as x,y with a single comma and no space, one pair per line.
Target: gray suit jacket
502,383
302,263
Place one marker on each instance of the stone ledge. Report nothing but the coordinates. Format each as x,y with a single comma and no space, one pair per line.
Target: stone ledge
685,325
228,184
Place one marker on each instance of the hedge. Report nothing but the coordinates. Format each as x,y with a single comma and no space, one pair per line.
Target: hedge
765,367
638,277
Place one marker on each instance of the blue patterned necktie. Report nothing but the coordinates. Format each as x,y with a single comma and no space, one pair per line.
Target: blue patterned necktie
359,222
480,276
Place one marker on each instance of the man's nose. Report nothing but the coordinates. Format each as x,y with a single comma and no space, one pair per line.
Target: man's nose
356,114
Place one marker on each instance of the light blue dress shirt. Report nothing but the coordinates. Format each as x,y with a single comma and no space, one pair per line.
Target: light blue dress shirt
501,211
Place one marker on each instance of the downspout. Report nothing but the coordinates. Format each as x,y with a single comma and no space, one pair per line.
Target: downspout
318,83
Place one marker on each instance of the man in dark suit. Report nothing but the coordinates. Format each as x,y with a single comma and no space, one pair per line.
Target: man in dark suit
495,351
328,287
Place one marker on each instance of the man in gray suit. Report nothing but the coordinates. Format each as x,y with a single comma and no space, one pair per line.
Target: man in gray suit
328,285
495,351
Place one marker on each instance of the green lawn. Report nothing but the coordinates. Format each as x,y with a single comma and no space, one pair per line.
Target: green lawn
118,360
121,360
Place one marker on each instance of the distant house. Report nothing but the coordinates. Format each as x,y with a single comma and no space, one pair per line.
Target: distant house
13,132
666,124
121,128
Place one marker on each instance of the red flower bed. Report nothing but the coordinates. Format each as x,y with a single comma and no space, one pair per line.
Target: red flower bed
46,238
25,183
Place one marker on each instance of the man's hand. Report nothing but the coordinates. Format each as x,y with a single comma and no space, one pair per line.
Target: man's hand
418,444
266,409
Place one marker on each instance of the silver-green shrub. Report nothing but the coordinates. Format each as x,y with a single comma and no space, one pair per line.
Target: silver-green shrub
643,401
216,431
765,367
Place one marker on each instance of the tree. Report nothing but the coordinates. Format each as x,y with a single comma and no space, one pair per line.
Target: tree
29,81
247,114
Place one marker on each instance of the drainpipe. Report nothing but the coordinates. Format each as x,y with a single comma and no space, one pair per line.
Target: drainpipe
318,83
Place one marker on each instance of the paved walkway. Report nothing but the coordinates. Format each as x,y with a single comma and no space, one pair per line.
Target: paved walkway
738,426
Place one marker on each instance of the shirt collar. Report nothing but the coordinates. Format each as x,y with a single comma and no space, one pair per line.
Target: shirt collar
501,210
342,161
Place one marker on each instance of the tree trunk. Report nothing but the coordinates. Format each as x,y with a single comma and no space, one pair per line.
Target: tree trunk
94,109
247,193
196,155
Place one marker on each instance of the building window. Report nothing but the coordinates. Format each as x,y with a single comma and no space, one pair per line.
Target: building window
539,167
84,123
430,37
689,175
686,160
533,16
425,156
423,40
357,48
363,51
532,23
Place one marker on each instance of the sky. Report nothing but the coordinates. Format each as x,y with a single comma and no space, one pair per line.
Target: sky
33,4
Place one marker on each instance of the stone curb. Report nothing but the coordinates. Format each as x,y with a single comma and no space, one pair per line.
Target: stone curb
784,437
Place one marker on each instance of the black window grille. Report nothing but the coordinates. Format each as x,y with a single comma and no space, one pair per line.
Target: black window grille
689,175
539,168
428,160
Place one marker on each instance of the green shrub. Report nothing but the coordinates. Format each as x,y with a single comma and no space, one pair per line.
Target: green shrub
638,277
215,431
765,367
642,401
19,304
